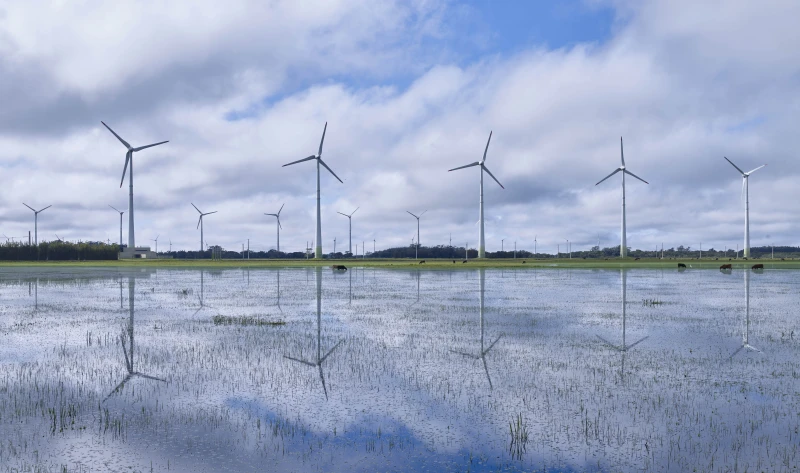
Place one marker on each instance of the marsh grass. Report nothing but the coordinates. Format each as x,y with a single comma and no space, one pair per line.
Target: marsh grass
245,320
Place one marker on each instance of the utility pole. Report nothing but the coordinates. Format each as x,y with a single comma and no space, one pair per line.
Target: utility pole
515,249
502,248
466,250
373,247
534,246
363,251
334,245
248,248
701,250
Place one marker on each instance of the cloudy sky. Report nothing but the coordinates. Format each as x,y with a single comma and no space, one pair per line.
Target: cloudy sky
409,89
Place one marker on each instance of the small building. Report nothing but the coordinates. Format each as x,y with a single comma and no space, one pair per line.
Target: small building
140,252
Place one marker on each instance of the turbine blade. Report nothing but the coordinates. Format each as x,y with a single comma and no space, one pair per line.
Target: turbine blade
44,209
611,345
115,134
319,153
736,352
198,222
26,205
476,163
621,152
487,146
634,175
150,146
343,214
744,182
279,210
486,369
147,376
322,378
756,169
412,214
125,168
300,161
615,171
279,224
354,211
209,213
468,355
737,167
113,208
330,170
272,215
119,387
490,173
640,341
490,346
423,212
195,207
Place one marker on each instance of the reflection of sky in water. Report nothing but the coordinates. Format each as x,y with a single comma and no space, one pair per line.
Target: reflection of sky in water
401,392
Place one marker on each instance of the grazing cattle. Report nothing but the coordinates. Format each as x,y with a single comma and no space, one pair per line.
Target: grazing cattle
464,261
454,261
636,259
681,265
758,266
726,267
523,261
339,267
422,262
783,259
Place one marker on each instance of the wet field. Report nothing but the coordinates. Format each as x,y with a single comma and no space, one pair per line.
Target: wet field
305,369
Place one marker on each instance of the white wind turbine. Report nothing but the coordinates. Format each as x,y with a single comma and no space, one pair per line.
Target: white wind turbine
623,248
36,222
350,226
156,240
481,242
278,216
416,248
318,158
120,226
200,223
129,163
746,194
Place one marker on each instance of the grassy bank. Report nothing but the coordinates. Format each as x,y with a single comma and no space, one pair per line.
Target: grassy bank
651,263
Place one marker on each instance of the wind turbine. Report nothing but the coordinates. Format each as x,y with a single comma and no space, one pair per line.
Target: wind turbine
318,158
156,240
36,222
623,248
200,223
278,216
481,242
746,336
624,347
746,193
416,252
129,352
350,223
484,350
129,163
120,225
320,357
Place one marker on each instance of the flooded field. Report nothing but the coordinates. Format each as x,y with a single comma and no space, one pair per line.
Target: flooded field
389,370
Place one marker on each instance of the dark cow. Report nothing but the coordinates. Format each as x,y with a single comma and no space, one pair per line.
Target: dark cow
422,262
756,267
726,267
454,261
464,261
523,261
339,267
681,265
636,259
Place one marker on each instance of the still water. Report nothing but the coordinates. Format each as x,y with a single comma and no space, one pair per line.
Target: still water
390,370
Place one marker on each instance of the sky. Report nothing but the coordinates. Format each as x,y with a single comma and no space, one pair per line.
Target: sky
409,89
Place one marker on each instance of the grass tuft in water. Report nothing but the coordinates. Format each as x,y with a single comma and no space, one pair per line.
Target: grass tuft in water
245,320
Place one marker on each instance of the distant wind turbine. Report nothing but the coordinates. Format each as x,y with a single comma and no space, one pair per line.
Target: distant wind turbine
120,225
200,223
156,240
320,358
623,248
481,241
350,223
318,158
129,163
746,194
278,216
416,250
36,222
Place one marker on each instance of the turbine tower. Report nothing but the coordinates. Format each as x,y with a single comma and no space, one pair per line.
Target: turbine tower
350,223
36,222
278,216
624,347
318,158
200,223
623,247
746,194
416,250
129,162
481,242
120,226
746,335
